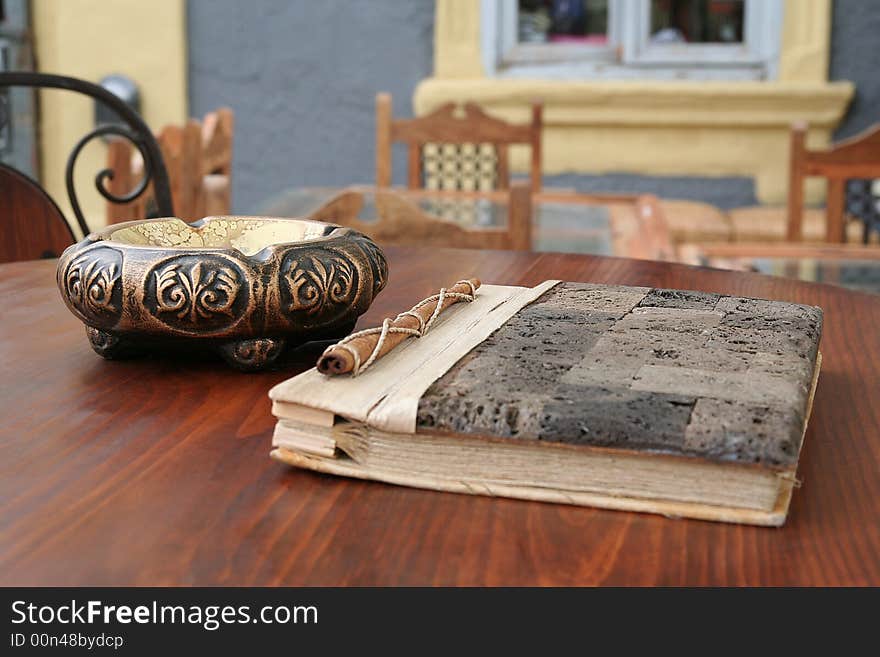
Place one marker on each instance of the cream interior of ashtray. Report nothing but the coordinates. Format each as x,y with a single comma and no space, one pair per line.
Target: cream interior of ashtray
249,235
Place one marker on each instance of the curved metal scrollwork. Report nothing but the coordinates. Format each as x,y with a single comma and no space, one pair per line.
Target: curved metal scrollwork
137,132
105,174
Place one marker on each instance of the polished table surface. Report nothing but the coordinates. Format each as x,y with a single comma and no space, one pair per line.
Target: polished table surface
156,472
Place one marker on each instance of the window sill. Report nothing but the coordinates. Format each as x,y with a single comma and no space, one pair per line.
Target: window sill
651,127
648,102
645,72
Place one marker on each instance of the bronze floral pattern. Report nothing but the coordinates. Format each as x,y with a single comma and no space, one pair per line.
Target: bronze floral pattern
319,283
91,283
215,293
376,258
196,292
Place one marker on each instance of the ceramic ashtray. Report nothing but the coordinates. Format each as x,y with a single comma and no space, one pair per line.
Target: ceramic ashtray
244,286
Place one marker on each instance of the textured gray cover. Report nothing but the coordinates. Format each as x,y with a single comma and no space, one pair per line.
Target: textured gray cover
688,373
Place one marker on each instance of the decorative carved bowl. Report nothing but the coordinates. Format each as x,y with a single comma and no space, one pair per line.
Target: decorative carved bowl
244,286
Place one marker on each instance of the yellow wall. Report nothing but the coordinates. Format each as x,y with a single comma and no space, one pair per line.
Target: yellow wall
656,127
145,40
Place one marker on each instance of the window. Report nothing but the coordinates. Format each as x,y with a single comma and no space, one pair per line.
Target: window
548,31
607,39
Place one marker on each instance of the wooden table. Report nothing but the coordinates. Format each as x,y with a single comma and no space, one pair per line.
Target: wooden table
154,472
626,225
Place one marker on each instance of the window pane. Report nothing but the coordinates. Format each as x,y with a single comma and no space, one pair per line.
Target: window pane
563,21
697,21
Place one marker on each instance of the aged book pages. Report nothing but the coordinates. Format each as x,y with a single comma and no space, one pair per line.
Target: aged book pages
603,478
773,517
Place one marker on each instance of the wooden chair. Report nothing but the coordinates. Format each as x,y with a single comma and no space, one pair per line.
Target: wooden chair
198,157
451,153
33,225
856,157
400,220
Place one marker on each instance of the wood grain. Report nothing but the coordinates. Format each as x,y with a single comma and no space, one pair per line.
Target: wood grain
33,225
156,472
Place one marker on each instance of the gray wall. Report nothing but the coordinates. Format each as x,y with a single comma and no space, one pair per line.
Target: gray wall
855,56
301,77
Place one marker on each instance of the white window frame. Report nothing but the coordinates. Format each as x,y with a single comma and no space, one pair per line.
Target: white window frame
629,53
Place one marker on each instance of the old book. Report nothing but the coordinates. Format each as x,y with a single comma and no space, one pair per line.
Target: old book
665,401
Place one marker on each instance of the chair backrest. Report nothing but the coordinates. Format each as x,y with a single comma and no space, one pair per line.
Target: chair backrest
131,128
198,157
856,157
33,226
399,220
447,152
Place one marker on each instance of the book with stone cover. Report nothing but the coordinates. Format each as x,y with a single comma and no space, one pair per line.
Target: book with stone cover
667,401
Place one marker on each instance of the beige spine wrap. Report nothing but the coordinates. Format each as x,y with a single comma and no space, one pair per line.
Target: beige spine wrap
387,395
355,353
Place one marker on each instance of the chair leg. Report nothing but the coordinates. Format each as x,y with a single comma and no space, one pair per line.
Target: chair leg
835,230
794,231
383,140
519,215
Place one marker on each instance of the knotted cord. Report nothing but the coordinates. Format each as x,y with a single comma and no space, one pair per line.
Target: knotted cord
387,328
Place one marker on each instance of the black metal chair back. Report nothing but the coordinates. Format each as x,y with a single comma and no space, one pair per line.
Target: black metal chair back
134,130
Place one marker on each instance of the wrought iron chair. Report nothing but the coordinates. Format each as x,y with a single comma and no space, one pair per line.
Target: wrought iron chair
198,157
132,129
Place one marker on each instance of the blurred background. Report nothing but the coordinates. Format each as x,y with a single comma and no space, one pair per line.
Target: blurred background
301,77
688,100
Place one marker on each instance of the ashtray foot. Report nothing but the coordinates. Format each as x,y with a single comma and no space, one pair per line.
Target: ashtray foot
252,355
107,345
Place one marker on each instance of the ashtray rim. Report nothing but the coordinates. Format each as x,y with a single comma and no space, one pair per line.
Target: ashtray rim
105,235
